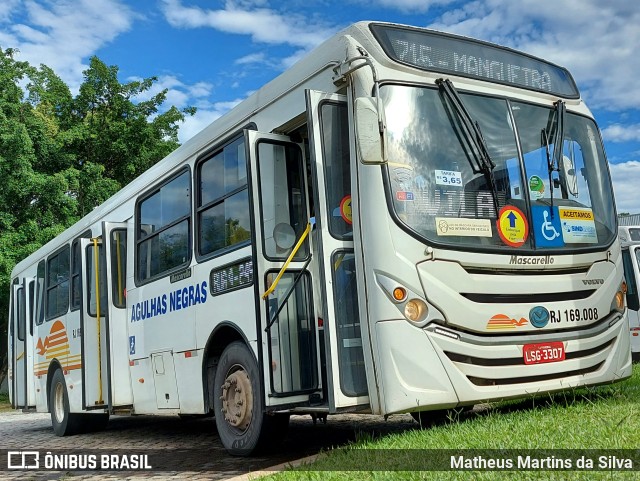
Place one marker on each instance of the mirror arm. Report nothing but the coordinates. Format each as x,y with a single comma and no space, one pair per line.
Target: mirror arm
341,77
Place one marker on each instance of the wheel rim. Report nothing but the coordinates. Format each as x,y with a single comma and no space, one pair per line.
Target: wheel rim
58,402
237,399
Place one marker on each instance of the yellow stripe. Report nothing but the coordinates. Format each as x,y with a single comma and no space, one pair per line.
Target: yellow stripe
57,354
64,347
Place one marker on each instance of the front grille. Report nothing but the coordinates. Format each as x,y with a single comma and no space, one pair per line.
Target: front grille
505,271
519,361
527,298
478,381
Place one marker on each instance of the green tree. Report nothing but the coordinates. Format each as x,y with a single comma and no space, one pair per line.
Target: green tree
61,156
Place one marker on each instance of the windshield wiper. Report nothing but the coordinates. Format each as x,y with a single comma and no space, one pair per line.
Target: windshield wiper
553,163
470,129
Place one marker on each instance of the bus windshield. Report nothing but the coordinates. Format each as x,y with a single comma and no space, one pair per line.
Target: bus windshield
552,202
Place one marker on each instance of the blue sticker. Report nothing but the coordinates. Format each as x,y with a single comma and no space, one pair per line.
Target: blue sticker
132,344
539,316
546,227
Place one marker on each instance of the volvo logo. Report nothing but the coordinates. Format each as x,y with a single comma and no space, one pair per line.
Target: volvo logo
539,316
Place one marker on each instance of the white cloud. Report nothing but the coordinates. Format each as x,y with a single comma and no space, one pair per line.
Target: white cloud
193,125
251,59
595,40
7,7
179,94
626,179
412,5
60,33
622,133
264,25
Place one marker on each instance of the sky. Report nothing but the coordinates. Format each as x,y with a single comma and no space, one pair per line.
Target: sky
213,54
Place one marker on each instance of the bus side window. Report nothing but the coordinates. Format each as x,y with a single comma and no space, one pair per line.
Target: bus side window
163,225
223,200
57,286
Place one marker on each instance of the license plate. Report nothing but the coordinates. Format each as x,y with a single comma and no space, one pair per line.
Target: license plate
544,352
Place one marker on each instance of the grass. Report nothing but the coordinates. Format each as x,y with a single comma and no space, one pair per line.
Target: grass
606,417
5,405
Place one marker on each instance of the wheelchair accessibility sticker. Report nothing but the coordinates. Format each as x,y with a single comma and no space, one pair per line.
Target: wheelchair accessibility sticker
546,227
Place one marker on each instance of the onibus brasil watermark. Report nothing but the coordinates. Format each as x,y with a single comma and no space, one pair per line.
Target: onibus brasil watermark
35,460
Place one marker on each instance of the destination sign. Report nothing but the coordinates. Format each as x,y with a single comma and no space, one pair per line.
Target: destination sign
232,276
439,52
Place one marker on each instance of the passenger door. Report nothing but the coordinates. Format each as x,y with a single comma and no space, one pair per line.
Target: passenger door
333,248
119,343
287,325
93,322
18,336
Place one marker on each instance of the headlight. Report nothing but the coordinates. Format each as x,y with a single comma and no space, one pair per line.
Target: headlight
415,310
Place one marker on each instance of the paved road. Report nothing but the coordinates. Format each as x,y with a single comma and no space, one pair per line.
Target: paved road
175,438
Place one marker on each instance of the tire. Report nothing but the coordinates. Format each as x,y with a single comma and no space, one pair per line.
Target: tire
242,425
63,421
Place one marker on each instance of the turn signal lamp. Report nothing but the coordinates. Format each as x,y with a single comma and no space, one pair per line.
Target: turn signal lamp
415,310
619,298
399,294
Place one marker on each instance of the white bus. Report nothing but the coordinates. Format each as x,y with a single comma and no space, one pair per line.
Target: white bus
404,221
630,242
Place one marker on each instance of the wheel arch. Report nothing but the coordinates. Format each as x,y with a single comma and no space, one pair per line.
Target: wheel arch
224,334
53,367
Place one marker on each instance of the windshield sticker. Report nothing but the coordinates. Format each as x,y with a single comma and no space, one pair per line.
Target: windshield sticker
404,196
446,226
512,226
404,176
536,187
345,209
578,225
546,226
448,177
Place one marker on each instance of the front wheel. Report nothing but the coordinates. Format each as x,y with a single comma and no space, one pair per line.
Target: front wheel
242,424
63,421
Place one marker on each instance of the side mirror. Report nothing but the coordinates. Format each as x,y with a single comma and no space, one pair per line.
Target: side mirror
569,174
368,137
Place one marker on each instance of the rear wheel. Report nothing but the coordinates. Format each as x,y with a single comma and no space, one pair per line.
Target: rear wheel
242,424
63,421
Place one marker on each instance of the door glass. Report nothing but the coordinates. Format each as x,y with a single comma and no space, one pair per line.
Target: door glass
91,282
20,314
283,206
335,144
40,293
119,266
353,381
292,335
